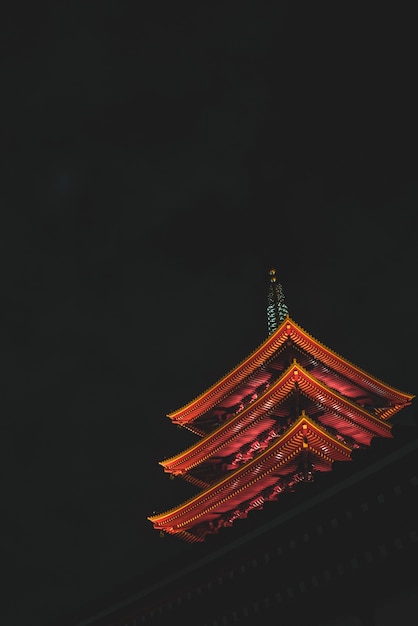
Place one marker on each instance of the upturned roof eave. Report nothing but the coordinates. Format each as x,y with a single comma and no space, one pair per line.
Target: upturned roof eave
224,432
376,424
243,477
288,328
352,371
214,441
220,388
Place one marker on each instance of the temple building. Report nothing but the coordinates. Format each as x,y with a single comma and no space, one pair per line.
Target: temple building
282,417
306,499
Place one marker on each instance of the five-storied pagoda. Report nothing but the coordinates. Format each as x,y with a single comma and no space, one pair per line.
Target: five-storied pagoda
289,410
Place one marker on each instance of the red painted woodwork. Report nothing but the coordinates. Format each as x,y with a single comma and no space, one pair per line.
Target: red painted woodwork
289,410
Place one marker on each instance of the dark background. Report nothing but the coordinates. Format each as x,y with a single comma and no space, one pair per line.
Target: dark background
156,160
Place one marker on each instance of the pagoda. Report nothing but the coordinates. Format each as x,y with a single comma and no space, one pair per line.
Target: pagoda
285,413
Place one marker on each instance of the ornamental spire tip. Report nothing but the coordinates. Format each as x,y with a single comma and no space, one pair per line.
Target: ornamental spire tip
277,309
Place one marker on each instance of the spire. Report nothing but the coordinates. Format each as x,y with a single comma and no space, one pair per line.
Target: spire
277,310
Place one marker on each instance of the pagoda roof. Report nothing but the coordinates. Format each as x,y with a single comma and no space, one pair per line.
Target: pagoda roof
290,330
247,483
339,412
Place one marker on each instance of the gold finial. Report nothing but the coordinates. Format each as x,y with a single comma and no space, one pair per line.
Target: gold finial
273,275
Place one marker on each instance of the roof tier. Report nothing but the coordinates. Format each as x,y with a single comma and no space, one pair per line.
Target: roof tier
242,385
267,417
305,448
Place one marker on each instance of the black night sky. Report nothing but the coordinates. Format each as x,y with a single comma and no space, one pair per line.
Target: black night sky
156,160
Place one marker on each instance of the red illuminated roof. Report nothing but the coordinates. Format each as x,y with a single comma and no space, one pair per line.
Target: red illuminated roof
245,485
290,330
337,412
